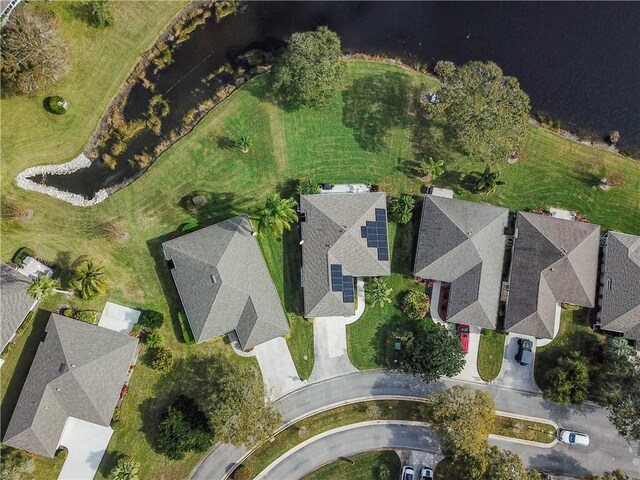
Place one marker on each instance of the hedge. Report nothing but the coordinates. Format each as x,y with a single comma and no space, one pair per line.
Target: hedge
187,336
20,255
151,320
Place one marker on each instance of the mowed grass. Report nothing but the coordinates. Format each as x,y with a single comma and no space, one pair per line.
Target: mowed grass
524,429
490,354
365,466
369,133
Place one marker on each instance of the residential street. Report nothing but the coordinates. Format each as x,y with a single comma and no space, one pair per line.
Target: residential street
607,450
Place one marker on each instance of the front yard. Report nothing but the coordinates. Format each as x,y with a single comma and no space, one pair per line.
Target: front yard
490,354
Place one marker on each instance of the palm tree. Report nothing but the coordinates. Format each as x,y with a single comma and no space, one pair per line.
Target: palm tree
125,470
619,347
41,287
401,209
487,181
277,215
244,143
432,168
90,279
378,293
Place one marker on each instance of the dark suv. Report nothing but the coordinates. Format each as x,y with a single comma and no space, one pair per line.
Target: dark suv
524,355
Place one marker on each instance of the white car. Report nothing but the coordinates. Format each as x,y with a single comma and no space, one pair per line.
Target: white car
408,473
572,437
426,473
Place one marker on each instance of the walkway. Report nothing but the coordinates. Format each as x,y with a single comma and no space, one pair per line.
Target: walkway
86,443
330,342
350,440
278,370
607,447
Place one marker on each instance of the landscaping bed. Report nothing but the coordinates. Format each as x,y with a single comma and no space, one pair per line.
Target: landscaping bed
525,429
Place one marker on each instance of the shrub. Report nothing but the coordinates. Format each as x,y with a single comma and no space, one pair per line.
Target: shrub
161,359
187,336
21,254
571,308
308,187
25,323
57,105
116,416
415,304
151,320
110,162
154,339
100,13
87,316
7,349
69,312
444,69
614,136
242,473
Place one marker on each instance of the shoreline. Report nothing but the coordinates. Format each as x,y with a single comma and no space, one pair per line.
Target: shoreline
84,161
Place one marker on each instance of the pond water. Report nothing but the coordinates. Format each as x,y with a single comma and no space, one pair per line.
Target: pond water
579,62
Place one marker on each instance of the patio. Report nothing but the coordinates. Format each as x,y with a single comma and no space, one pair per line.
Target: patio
32,268
118,318
345,188
86,443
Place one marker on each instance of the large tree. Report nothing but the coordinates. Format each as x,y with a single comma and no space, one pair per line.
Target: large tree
433,352
311,70
463,418
487,112
183,428
34,56
90,279
568,382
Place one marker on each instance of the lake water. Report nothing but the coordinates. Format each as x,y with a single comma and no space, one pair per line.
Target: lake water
578,61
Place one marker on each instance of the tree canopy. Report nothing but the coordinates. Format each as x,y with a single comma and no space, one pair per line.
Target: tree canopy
401,209
486,111
462,417
183,428
277,215
568,382
433,352
34,56
311,70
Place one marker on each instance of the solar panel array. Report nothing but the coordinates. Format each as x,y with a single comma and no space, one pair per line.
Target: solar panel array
342,283
376,234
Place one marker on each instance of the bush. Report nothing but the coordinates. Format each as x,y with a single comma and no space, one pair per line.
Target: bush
151,320
100,13
187,336
161,359
116,416
20,255
415,304
308,187
242,473
25,323
183,428
69,312
57,105
571,308
154,339
87,316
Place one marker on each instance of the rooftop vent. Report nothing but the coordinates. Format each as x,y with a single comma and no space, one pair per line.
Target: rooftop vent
214,279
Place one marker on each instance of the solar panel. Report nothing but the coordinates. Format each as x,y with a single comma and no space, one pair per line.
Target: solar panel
363,231
383,253
347,298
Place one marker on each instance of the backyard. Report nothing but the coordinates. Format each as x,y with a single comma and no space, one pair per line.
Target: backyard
370,133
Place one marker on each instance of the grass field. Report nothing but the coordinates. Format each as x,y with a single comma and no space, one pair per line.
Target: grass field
524,429
370,133
490,354
365,466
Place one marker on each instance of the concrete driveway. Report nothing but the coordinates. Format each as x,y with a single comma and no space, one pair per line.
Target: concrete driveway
330,342
513,375
86,443
470,371
278,370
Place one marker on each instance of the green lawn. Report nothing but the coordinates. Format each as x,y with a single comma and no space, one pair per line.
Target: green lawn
369,133
365,466
490,354
574,335
524,429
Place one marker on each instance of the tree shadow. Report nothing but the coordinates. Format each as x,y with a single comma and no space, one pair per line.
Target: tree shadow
288,188
396,326
217,206
403,246
411,168
109,461
64,266
558,463
375,104
225,143
21,371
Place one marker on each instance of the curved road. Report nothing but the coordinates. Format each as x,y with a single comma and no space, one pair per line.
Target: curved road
607,450
358,438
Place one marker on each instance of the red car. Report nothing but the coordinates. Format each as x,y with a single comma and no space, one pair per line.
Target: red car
463,333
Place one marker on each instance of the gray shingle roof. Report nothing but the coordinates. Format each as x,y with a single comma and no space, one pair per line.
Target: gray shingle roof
15,303
620,303
78,371
242,297
462,243
332,235
554,260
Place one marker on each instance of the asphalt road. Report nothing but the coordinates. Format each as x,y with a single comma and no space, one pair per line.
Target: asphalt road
607,450
360,438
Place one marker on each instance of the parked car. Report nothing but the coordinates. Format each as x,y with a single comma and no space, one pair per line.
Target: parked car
571,437
463,333
525,354
408,473
426,473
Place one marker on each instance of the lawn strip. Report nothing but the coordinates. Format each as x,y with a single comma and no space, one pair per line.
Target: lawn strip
524,429
490,354
365,466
